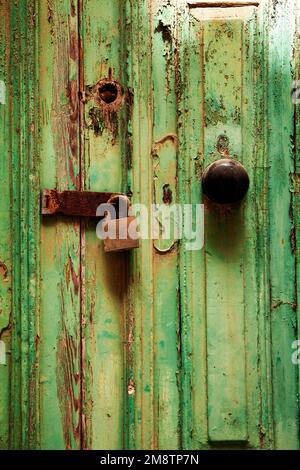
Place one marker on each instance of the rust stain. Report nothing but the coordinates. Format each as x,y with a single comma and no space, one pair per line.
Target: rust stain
167,28
75,277
3,271
225,4
104,118
165,31
50,12
67,378
4,10
37,342
109,98
92,311
167,194
129,150
65,108
277,303
73,9
262,435
130,335
32,15
50,15
131,388
293,240
72,94
172,137
128,118
84,418
293,236
5,332
73,45
223,145
86,367
130,97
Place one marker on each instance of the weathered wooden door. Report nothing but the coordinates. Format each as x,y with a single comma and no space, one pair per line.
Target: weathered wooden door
163,347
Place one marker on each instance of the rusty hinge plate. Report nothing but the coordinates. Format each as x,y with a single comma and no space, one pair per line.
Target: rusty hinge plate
73,203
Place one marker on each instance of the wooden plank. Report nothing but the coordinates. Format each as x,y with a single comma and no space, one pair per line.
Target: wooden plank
249,285
256,248
192,267
60,349
103,274
282,250
5,232
120,306
24,225
296,195
227,415
165,260
130,391
141,300
16,410
29,222
21,236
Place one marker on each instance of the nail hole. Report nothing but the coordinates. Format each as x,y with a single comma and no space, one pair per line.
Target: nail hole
108,92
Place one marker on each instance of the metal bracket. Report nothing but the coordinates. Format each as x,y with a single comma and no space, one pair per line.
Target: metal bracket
73,203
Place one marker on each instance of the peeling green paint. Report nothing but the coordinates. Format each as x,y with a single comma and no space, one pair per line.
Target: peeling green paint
162,348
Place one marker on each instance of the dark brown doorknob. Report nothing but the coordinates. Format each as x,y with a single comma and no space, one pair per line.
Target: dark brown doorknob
225,181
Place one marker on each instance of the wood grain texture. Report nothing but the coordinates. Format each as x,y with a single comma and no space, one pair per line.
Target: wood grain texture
191,264
296,199
227,418
282,241
104,274
19,225
5,231
139,71
60,347
164,347
237,113
166,313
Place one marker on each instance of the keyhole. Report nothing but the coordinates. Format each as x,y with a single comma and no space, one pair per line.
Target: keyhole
108,92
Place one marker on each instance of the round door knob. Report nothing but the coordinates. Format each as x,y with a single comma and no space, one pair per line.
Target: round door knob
225,181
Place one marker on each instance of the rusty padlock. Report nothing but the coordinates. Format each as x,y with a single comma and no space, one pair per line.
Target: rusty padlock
121,233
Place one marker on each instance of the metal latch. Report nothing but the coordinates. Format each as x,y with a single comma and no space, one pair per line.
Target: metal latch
74,203
120,229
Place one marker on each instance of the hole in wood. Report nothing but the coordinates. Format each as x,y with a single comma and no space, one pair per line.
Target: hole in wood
108,92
